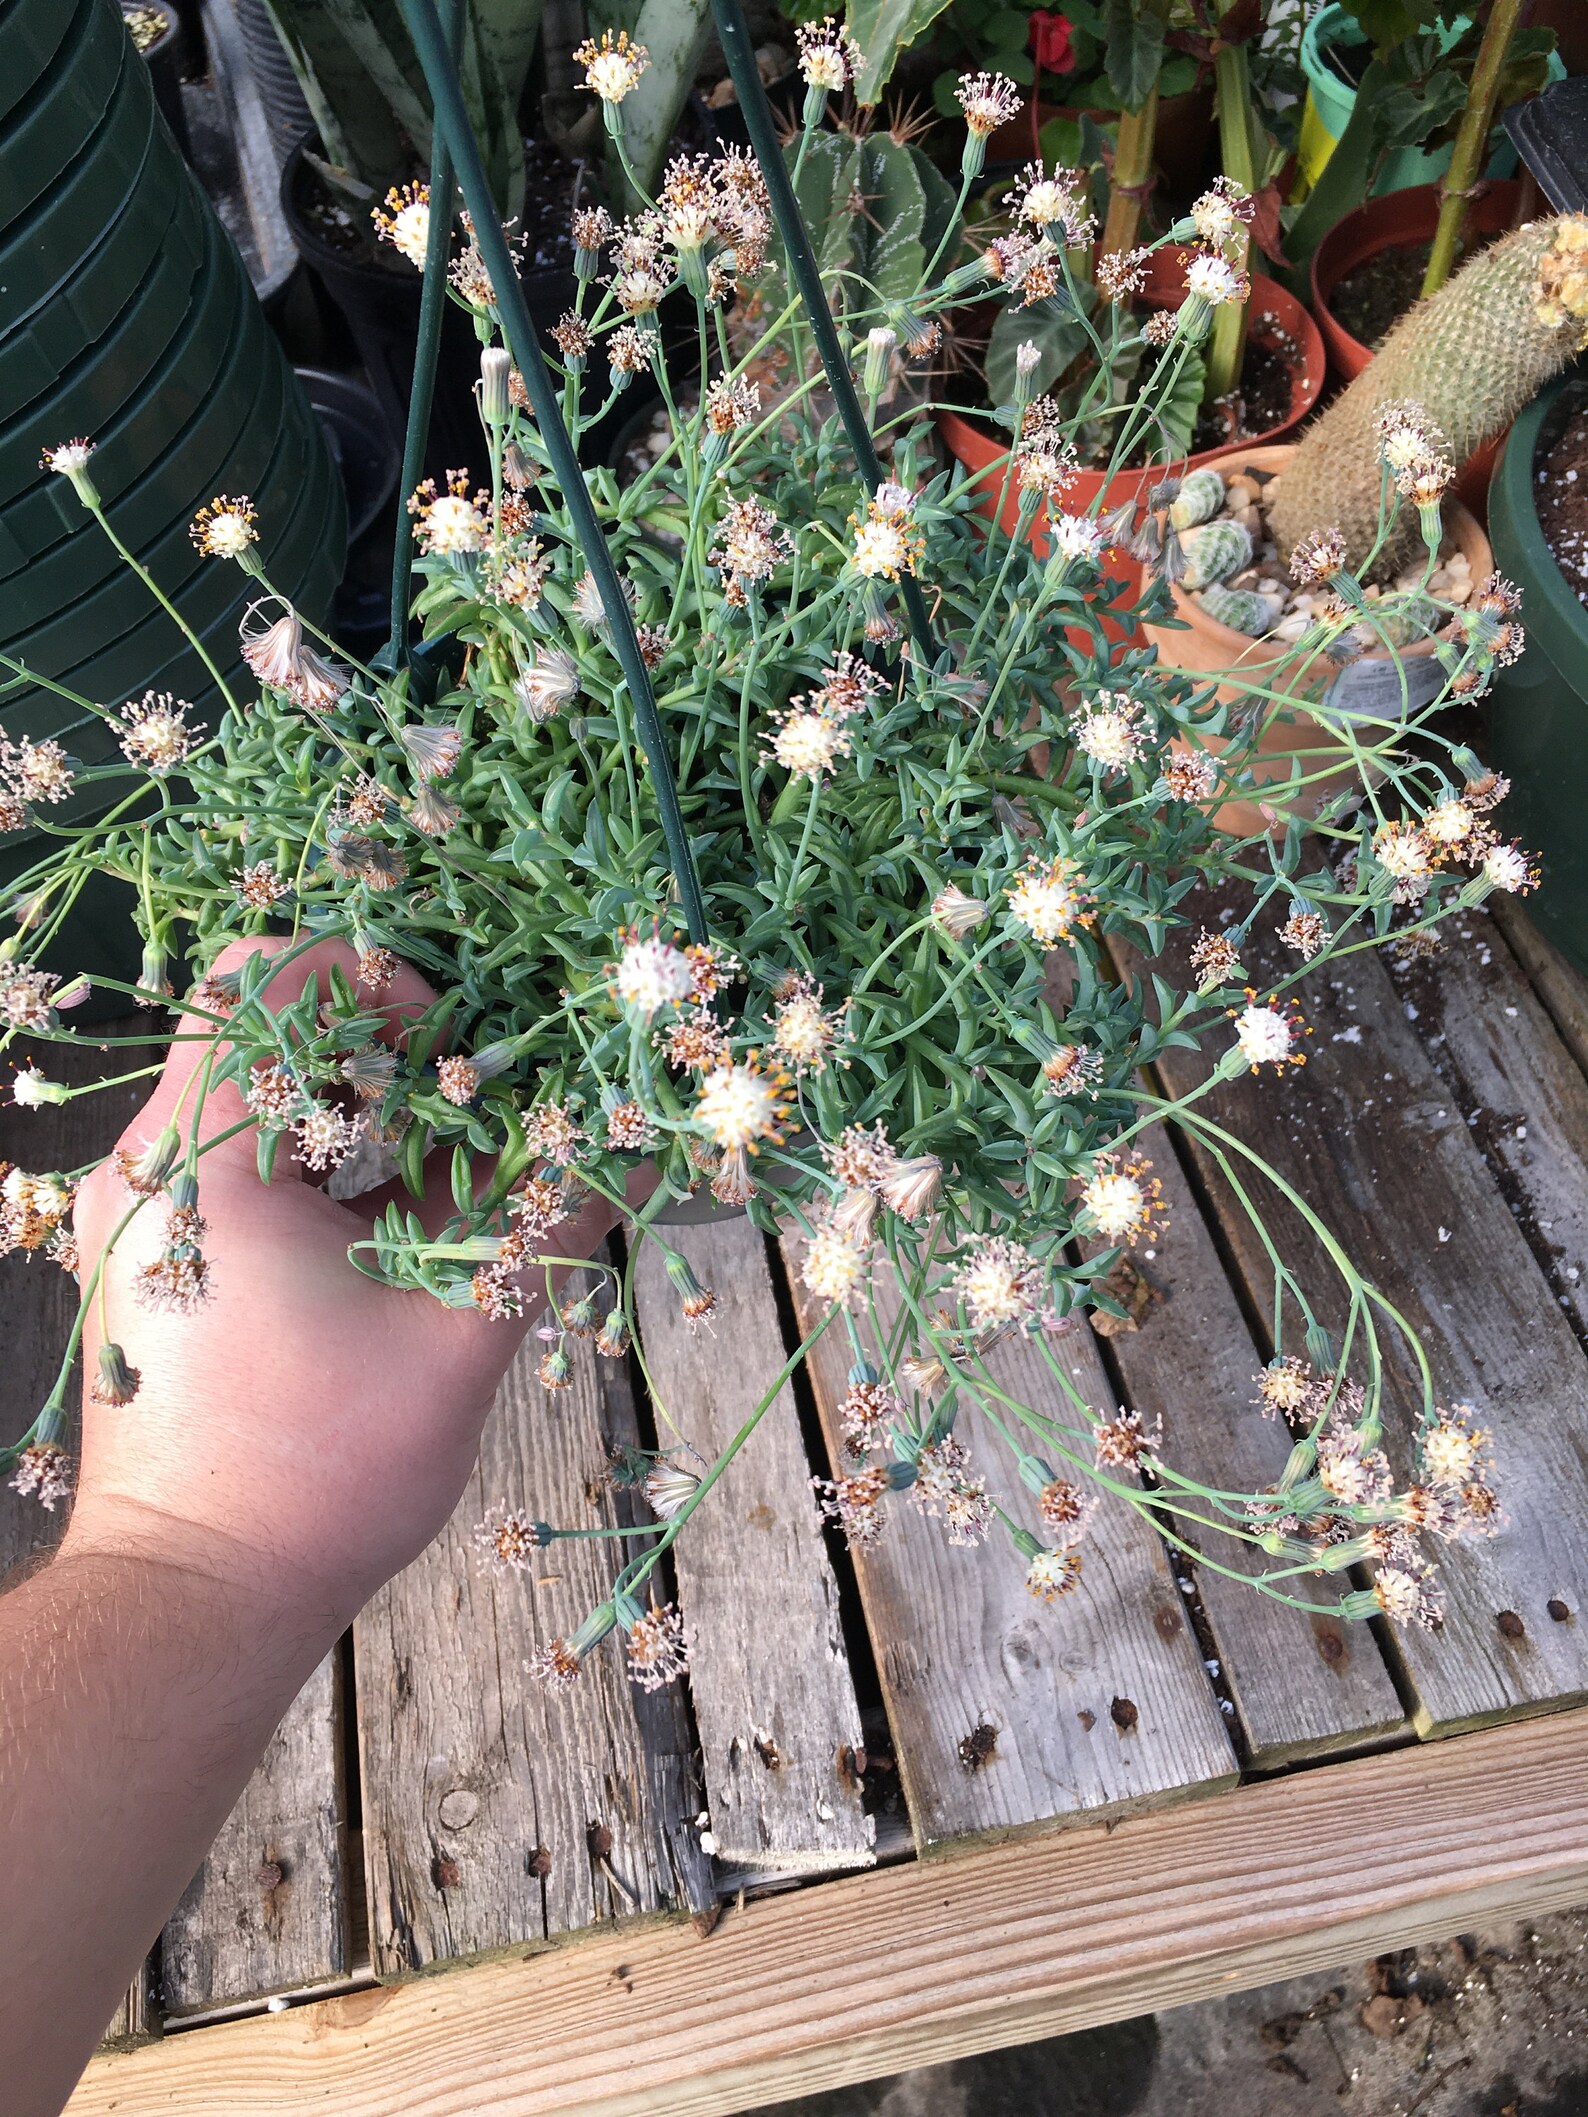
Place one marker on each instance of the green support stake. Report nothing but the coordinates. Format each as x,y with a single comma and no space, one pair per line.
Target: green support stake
427,354
441,76
738,48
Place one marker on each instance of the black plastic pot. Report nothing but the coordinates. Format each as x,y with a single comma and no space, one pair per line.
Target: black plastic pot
369,463
35,31
377,293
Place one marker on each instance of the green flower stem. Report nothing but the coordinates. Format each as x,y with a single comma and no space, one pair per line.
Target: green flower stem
637,1571
427,351
136,566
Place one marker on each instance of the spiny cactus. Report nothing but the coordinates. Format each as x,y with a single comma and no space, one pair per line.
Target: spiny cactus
1471,355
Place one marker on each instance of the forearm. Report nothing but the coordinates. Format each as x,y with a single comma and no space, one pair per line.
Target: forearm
137,1692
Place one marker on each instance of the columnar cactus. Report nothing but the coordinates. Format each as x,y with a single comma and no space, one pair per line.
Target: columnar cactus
1471,355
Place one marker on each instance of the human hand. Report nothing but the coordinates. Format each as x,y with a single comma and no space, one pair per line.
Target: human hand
304,1430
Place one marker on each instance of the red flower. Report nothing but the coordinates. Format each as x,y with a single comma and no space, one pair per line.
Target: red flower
1049,42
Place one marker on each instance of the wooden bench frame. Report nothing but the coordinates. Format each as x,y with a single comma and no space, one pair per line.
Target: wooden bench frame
929,1961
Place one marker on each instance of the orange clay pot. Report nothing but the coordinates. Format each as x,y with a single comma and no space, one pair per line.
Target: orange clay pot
1208,649
1278,320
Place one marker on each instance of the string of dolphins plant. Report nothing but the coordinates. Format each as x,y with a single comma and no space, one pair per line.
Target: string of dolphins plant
718,863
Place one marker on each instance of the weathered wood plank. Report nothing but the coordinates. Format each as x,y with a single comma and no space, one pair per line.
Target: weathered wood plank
1096,1703
39,1302
912,1965
1521,1091
138,2018
1561,987
483,1793
1371,1137
774,1700
267,1912
230,1938
1302,1683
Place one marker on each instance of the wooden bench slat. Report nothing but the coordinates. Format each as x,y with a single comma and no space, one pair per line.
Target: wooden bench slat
1302,1684
1372,1138
1099,1702
469,1768
1495,1046
774,1699
267,1911
911,1965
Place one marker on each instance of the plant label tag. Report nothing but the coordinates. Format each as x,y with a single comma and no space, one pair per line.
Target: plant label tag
1371,689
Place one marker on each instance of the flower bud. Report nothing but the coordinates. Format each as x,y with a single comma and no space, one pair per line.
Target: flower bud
1028,358
495,365
880,344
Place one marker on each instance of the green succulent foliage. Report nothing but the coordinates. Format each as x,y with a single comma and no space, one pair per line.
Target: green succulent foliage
359,74
883,29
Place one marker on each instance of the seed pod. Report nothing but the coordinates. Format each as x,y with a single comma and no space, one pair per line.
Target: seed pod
1214,552
1199,499
1242,609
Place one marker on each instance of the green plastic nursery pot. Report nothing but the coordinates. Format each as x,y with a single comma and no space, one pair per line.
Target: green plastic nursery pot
81,306
1540,703
147,460
34,32
183,389
68,104
128,319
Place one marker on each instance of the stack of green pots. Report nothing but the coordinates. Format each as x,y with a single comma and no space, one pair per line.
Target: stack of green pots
126,318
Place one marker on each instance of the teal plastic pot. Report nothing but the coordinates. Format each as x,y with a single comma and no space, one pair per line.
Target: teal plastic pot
276,478
111,372
1540,703
1331,99
46,241
295,547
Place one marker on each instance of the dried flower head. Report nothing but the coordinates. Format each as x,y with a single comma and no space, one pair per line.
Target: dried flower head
450,521
828,55
741,1104
656,1650
508,1537
158,737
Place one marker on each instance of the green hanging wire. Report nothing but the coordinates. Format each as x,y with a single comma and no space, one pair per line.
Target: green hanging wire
738,48
427,354
441,75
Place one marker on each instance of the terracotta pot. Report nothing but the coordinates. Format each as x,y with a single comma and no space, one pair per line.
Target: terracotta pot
1208,650
1400,220
1278,320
